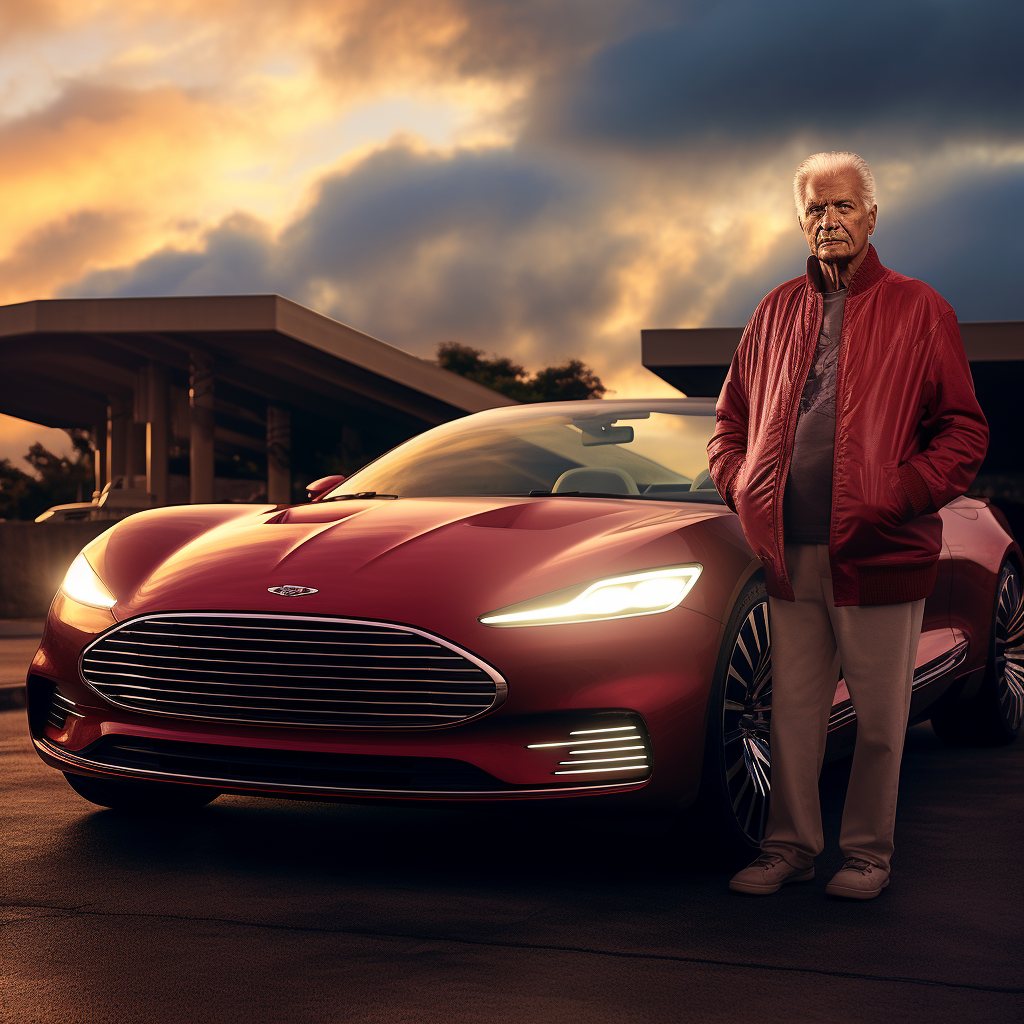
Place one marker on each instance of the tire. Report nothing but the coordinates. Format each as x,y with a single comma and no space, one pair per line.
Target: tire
736,778
993,715
140,797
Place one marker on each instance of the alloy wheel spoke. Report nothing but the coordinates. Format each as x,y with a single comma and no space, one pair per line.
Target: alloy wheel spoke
1009,637
748,698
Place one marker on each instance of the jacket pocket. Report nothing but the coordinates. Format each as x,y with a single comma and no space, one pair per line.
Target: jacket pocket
899,509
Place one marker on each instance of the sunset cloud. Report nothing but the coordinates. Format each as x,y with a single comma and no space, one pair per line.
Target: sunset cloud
541,180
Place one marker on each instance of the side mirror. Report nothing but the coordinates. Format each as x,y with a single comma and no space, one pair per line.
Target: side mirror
318,488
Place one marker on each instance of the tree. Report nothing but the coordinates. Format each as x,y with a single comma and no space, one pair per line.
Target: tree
573,380
60,480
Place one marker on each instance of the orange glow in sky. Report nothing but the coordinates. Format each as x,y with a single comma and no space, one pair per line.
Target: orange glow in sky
511,174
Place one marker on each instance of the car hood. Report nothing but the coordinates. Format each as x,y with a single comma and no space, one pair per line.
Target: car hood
393,559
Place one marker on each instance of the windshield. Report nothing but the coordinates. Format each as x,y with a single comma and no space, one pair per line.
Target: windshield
655,450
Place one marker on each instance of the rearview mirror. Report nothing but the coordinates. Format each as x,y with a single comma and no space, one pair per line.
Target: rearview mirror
318,488
605,433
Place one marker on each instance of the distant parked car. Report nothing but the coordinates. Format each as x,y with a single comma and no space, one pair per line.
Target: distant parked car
115,501
545,602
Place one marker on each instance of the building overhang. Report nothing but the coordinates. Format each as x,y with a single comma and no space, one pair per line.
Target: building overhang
696,360
64,359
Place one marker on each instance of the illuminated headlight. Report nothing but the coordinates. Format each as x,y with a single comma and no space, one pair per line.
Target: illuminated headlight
618,597
82,584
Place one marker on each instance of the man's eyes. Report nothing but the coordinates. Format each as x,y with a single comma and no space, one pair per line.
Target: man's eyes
845,207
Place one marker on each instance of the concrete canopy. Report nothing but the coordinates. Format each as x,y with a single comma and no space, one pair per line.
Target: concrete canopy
696,361
234,371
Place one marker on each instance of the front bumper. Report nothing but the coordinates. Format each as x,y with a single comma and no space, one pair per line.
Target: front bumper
524,750
287,772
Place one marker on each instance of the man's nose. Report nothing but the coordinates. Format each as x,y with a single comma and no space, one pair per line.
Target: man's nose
831,218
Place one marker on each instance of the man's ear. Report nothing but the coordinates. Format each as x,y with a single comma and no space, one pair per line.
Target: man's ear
872,217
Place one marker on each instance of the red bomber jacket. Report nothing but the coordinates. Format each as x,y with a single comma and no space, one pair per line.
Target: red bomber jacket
910,435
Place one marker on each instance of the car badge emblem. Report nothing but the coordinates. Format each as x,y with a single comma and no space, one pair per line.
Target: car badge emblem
292,591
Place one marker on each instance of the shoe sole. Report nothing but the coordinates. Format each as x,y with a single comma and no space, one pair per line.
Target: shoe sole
846,893
752,889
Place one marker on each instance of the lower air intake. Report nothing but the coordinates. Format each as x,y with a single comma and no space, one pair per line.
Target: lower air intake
61,709
246,766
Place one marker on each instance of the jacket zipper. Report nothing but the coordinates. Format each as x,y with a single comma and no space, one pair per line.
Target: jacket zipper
840,367
790,436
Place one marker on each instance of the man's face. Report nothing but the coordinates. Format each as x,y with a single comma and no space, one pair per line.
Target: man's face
834,222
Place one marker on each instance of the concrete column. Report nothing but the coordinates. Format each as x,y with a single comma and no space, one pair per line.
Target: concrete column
157,433
99,455
119,439
279,455
201,464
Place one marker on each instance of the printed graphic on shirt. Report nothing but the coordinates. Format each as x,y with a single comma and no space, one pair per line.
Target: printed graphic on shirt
819,393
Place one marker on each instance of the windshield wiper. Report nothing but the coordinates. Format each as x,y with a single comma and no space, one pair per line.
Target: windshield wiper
360,494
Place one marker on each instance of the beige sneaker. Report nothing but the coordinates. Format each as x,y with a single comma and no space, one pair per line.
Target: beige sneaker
858,879
768,874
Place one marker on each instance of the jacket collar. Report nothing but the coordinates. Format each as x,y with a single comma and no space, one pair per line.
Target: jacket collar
868,273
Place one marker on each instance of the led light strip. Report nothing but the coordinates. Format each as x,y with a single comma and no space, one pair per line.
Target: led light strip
573,743
607,750
619,741
602,760
587,732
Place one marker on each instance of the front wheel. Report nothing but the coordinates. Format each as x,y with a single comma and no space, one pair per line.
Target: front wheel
140,796
993,715
736,779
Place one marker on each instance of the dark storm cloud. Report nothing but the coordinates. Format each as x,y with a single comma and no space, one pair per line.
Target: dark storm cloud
469,38
235,258
535,248
745,70
416,249
969,245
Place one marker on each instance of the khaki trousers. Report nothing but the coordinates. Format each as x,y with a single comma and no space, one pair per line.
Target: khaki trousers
876,645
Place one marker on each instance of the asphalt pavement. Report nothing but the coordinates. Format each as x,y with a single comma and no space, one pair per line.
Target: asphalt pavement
19,639
257,910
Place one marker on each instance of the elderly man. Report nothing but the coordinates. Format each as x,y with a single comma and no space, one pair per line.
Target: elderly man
847,419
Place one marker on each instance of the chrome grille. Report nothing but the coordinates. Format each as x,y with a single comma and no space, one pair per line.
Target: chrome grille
289,670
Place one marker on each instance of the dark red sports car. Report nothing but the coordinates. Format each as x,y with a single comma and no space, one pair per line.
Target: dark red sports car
531,603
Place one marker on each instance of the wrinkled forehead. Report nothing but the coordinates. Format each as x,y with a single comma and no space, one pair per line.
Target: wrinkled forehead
833,187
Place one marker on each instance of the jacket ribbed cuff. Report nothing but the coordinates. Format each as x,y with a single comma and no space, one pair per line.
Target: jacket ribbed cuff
916,489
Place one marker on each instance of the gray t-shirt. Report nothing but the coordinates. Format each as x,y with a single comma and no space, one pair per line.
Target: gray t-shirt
807,504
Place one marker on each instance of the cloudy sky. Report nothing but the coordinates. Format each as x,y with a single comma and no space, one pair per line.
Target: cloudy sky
537,178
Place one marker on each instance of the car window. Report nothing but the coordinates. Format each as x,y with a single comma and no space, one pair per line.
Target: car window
639,452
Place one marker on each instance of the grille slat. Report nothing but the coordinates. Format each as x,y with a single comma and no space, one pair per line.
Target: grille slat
102,660
183,644
265,700
297,706
261,675
462,690
170,626
328,673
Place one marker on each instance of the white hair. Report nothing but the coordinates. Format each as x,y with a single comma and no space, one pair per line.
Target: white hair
832,163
